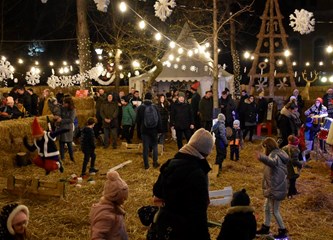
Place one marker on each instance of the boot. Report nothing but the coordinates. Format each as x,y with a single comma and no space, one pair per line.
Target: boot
281,234
264,230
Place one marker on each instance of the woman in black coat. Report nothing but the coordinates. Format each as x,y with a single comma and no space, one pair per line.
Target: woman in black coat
250,117
163,107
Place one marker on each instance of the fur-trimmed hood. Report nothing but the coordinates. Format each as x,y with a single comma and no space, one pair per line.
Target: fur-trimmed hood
287,113
240,209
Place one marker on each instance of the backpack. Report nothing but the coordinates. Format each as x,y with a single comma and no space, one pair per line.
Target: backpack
150,119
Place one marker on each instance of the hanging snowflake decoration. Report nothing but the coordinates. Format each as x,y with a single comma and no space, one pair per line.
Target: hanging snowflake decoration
102,5
32,78
53,81
6,70
44,1
302,21
95,72
163,8
283,83
261,85
79,78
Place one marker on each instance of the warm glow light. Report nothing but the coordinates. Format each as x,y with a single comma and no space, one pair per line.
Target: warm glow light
99,51
190,53
36,63
331,79
180,50
51,63
218,50
252,57
142,24
323,79
266,60
122,7
294,63
280,62
64,63
172,44
20,61
100,57
3,58
207,54
307,64
120,67
196,51
321,63
66,70
61,71
177,59
246,55
287,53
37,71
329,49
171,57
207,45
77,61
135,64
158,36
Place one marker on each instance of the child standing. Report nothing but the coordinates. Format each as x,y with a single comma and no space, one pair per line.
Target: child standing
128,119
107,216
221,140
308,132
44,142
293,151
239,217
236,140
88,146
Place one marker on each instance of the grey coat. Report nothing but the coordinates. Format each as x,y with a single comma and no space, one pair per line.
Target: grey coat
275,183
67,122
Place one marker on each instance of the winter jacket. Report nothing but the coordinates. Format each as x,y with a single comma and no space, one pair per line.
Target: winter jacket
13,113
262,110
183,185
128,115
321,110
26,98
140,119
206,109
293,153
220,132
250,113
107,222
67,122
181,116
236,134
109,110
327,101
274,183
164,112
227,107
195,100
287,125
87,140
34,104
239,224
99,101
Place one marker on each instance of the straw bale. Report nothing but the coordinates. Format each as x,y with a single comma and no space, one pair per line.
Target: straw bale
84,103
83,115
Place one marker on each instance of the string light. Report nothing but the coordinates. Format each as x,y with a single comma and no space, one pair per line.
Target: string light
135,64
64,63
142,24
321,63
287,53
51,63
307,64
123,7
190,53
36,63
294,63
172,44
20,61
180,50
171,57
329,49
158,36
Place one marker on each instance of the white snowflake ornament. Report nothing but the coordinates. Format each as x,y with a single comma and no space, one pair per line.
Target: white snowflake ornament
163,8
95,72
283,83
79,78
32,78
302,21
261,85
102,5
6,70
53,81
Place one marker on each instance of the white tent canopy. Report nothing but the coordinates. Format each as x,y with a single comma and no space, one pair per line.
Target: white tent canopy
187,69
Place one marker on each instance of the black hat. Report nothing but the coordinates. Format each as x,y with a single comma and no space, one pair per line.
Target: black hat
148,96
240,198
125,99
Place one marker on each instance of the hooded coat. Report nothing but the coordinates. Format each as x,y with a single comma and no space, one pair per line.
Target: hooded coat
274,184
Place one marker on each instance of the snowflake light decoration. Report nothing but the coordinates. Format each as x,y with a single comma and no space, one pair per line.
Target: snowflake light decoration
283,83
53,81
302,21
261,85
163,8
95,72
6,70
102,5
79,78
32,78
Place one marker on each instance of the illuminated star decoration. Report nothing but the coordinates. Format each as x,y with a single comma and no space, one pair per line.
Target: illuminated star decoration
302,21
283,83
261,85
32,78
163,8
102,5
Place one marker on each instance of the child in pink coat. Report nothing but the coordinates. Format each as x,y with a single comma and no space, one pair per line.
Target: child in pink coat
107,216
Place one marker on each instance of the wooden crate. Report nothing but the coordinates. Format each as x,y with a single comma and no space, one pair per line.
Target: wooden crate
131,147
220,197
35,187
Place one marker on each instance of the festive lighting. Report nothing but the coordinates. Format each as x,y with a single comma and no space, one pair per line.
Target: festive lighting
207,54
142,24
158,36
100,57
36,63
51,63
77,61
323,79
172,44
61,71
180,50
252,57
287,53
171,57
329,49
99,51
294,63
64,63
218,50
307,64
202,49
20,61
120,67
196,51
331,79
190,53
177,59
207,45
122,7
280,62
321,63
135,64
247,55
110,54
266,60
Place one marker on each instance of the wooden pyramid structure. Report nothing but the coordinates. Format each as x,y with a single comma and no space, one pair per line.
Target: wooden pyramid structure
269,59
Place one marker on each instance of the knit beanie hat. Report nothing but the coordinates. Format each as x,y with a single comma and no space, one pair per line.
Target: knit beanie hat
221,117
148,96
236,122
202,141
115,189
320,100
181,94
9,213
36,128
240,198
293,140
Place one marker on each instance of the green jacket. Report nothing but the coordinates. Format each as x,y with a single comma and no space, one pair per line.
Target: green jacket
109,110
128,115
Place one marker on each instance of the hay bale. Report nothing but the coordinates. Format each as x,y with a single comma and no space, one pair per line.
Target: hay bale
83,115
318,202
84,103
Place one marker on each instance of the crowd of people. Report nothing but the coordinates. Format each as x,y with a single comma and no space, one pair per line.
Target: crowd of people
181,190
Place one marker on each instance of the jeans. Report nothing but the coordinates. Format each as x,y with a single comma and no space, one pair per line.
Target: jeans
62,150
88,155
272,207
249,129
107,133
179,134
149,141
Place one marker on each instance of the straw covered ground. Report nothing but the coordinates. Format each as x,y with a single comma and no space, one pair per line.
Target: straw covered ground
309,215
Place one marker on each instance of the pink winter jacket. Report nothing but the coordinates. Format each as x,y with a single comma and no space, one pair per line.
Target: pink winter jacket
107,222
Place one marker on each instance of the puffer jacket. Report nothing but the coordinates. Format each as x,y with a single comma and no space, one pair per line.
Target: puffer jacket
220,131
128,116
293,152
274,183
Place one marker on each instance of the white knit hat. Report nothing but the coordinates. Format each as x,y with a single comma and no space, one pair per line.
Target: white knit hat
202,141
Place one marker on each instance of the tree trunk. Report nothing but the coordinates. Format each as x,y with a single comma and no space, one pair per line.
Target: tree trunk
83,36
215,54
117,72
